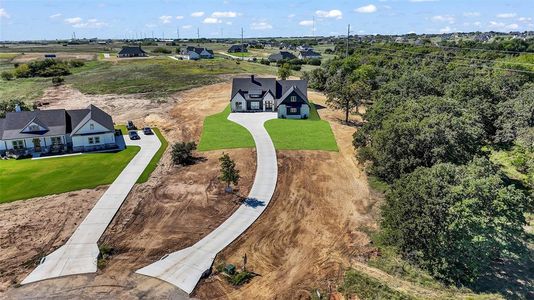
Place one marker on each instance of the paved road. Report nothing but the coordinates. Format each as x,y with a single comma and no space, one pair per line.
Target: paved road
79,254
184,268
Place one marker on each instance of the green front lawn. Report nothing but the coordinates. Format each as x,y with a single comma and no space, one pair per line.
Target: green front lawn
155,160
23,179
220,133
312,134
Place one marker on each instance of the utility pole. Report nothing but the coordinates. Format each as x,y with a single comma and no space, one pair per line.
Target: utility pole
313,27
348,34
242,45
198,36
178,32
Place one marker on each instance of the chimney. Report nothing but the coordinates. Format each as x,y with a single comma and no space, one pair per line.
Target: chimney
17,108
252,77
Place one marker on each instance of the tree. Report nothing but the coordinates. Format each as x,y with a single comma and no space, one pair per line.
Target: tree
343,94
7,75
515,115
416,135
9,106
182,153
58,80
229,173
284,71
454,221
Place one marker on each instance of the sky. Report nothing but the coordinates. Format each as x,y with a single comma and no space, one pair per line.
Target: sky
59,19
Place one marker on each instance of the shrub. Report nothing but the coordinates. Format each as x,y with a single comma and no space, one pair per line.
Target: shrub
58,80
22,71
314,62
7,75
76,63
265,62
296,67
241,278
182,153
162,50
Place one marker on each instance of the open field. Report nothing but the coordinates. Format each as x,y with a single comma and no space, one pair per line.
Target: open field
33,178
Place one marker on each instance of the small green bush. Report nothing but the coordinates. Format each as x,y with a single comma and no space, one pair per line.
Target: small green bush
182,153
162,50
58,80
7,75
240,278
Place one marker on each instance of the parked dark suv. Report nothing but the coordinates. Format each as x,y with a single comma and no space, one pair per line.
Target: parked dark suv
133,135
147,131
130,125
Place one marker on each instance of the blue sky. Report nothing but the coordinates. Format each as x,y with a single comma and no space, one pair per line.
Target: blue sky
58,19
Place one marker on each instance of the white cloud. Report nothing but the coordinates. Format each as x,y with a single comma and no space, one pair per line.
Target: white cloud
261,26
72,21
334,13
472,14
224,14
179,17
291,16
447,18
503,26
165,19
367,9
525,19
4,14
418,1
197,14
210,20
187,26
306,23
506,15
55,16
447,29
78,22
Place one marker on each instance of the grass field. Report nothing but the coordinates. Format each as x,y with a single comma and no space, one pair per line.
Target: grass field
23,179
155,160
220,133
312,134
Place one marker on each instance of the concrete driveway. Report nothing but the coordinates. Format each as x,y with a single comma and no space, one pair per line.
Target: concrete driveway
79,254
184,268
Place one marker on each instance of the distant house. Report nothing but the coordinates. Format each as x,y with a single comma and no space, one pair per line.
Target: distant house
129,51
237,49
287,97
194,53
50,56
309,54
304,48
56,131
282,55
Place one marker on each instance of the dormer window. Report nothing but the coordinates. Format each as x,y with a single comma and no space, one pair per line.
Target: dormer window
293,99
92,126
33,127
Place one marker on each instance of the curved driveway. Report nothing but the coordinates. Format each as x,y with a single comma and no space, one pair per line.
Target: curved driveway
80,252
184,268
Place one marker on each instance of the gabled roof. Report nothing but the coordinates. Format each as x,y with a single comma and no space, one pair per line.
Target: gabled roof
281,55
90,113
54,120
309,52
38,122
285,85
237,47
129,50
253,83
290,91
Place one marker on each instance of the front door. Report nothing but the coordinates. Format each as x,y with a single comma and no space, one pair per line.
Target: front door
268,106
37,145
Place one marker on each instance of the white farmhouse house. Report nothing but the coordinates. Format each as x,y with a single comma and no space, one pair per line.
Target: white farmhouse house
56,131
287,97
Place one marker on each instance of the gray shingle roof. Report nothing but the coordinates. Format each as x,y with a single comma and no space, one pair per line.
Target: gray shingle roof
56,122
281,55
277,87
132,50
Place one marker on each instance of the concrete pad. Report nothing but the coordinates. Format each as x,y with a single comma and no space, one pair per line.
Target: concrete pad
184,268
79,254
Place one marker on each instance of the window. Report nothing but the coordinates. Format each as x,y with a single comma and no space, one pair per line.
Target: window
34,127
293,110
255,105
293,99
97,140
18,145
56,140
91,140
92,126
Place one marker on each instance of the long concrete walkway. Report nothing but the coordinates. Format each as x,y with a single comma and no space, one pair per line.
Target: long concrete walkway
184,268
79,255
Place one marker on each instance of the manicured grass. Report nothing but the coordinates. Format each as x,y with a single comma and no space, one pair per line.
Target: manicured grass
312,134
23,179
155,160
220,133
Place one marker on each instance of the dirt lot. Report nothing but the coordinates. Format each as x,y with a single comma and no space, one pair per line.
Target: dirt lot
28,57
306,237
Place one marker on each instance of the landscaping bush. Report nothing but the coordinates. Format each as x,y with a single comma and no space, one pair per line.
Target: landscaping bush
296,67
182,153
161,50
265,62
76,63
58,80
240,278
314,61
7,75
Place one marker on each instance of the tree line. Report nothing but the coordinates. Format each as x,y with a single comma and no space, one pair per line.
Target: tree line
428,127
